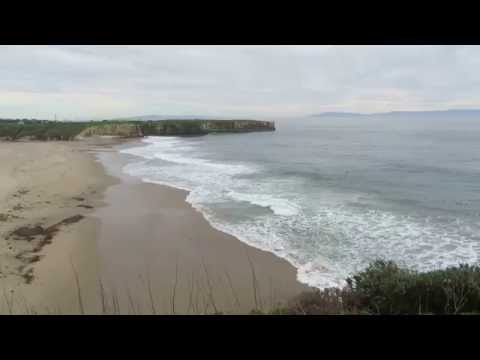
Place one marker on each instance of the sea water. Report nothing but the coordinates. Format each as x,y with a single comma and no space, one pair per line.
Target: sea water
332,194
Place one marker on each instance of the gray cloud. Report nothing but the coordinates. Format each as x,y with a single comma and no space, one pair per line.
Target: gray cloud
253,81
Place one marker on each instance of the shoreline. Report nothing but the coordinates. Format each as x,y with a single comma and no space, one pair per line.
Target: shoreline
215,273
217,226
238,272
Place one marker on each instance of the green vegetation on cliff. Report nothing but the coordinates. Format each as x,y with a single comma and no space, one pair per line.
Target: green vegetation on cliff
40,130
194,127
52,130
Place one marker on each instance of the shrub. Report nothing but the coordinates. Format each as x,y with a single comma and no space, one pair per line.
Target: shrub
385,288
325,302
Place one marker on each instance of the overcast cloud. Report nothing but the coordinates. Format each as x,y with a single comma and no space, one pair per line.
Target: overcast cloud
246,81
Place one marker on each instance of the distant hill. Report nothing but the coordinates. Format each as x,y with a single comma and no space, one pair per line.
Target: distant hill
336,114
5,120
431,113
132,118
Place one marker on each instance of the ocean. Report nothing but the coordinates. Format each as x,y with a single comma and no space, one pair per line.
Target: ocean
332,194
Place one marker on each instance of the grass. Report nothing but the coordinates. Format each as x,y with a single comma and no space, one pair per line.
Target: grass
382,288
42,130
200,293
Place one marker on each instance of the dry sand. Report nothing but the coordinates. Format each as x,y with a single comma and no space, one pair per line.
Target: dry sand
140,248
42,184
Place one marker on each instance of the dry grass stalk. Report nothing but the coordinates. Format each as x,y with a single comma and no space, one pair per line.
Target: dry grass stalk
79,291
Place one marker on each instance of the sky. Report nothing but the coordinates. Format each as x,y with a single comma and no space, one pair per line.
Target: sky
82,82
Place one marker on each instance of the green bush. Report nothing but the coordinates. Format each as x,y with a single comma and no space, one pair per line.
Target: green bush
42,130
385,288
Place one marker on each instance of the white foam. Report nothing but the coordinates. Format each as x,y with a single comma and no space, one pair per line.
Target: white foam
175,151
279,206
324,239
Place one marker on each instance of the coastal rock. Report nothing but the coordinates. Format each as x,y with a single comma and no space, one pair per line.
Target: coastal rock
125,130
201,127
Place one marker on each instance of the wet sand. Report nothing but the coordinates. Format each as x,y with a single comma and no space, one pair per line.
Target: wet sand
139,249
150,231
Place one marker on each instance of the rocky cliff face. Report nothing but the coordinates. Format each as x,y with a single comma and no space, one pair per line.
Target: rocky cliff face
199,127
117,129
238,125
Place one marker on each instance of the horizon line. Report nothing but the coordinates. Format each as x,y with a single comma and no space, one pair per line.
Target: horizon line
353,113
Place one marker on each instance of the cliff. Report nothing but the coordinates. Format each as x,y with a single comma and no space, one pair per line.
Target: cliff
125,130
199,127
52,130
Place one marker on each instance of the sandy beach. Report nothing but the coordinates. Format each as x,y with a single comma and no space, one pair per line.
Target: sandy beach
41,185
78,236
